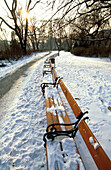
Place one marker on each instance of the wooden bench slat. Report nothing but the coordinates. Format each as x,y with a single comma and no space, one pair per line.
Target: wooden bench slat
74,106
101,159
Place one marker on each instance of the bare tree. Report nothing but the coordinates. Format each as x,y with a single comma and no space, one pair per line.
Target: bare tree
16,23
75,9
34,33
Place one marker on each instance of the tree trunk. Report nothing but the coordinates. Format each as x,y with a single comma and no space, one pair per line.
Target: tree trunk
26,33
37,47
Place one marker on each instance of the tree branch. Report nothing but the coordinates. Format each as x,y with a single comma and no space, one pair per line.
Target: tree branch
14,5
28,5
7,5
34,5
7,24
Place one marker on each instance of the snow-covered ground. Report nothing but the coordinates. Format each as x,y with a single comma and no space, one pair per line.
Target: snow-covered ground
13,64
24,119
89,81
23,123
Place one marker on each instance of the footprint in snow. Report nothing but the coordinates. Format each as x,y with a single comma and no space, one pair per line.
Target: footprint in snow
101,100
95,77
90,94
97,72
100,89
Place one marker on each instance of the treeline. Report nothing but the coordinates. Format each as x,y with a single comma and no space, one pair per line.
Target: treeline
83,29
11,50
99,46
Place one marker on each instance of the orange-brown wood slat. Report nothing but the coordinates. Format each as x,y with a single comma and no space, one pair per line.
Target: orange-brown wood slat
54,116
74,106
67,121
48,114
53,69
51,118
65,116
101,159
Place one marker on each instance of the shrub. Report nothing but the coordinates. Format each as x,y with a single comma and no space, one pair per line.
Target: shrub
92,51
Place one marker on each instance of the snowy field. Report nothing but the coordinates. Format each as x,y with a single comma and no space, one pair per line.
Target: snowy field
24,118
89,81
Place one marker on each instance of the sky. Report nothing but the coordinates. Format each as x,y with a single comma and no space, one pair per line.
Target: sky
41,11
38,10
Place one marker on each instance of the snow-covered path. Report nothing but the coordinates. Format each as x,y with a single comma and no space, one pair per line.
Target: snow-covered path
23,124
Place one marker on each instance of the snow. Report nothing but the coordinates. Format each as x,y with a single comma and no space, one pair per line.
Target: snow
54,109
95,144
72,159
23,126
23,120
13,64
91,140
89,80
